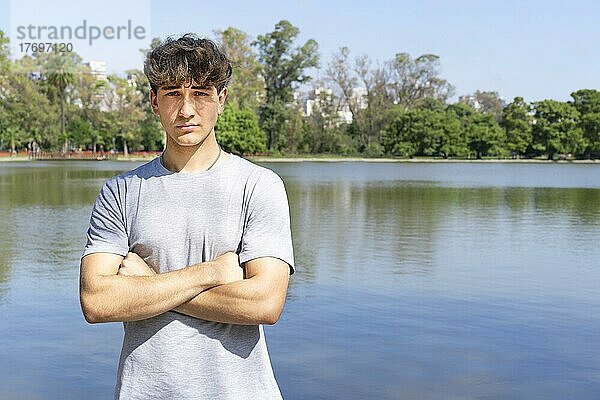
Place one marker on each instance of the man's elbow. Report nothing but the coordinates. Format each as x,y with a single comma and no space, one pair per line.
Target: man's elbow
270,320
271,313
91,312
90,315
92,318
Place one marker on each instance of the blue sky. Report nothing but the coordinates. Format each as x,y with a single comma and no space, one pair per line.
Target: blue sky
534,49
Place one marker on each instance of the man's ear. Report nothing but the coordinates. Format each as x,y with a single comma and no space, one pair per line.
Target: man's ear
154,102
222,98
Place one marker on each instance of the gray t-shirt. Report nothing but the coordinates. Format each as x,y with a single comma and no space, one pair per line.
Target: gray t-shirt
173,220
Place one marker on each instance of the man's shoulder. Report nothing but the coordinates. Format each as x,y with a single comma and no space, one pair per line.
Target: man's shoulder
257,175
143,171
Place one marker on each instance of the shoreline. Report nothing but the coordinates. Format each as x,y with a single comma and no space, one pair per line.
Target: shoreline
291,159
419,160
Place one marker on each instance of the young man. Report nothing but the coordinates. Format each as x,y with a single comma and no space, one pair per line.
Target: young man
192,250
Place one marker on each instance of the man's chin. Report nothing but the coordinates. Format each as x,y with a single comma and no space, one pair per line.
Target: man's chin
187,140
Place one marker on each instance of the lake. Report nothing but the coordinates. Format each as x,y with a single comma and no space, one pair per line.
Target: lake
414,281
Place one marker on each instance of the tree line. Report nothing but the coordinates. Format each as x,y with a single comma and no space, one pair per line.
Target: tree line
398,108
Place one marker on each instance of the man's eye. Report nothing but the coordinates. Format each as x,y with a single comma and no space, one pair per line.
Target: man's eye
172,94
200,94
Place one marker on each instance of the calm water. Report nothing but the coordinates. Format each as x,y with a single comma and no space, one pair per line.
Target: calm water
415,281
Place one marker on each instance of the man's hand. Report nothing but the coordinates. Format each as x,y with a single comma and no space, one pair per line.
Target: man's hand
134,265
229,268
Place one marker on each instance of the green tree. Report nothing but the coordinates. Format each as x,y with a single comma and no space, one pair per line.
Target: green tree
80,130
5,64
370,120
152,135
324,130
88,89
33,123
90,92
294,138
464,114
284,67
485,102
247,87
60,72
124,101
587,102
517,121
422,132
5,71
13,136
340,74
452,142
480,132
238,131
556,128
402,136
484,135
413,80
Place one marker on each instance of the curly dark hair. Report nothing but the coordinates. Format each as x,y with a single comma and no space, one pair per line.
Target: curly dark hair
178,61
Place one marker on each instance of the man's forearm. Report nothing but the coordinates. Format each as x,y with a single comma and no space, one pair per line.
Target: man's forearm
129,298
258,299
244,302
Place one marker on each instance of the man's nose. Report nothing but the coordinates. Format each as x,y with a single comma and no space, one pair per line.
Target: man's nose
187,108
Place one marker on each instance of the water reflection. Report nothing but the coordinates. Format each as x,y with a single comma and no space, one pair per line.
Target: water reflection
57,185
346,226
346,231
364,232
7,249
484,273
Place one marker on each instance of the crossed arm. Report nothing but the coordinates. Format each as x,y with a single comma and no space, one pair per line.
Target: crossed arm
113,288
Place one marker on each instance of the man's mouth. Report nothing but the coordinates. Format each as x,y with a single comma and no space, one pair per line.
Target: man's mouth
187,126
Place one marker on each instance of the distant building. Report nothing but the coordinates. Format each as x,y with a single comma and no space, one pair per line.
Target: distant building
131,81
98,69
345,115
316,96
470,100
359,95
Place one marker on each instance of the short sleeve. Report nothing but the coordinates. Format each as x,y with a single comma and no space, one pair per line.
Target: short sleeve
107,232
267,230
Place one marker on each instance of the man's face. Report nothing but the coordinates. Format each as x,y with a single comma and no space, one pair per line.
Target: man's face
188,113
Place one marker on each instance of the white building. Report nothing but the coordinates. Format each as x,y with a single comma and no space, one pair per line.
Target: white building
98,69
359,97
314,99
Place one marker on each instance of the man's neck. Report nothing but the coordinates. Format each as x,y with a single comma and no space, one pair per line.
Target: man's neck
189,159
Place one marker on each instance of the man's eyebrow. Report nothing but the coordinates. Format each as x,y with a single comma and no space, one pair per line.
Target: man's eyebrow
195,87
